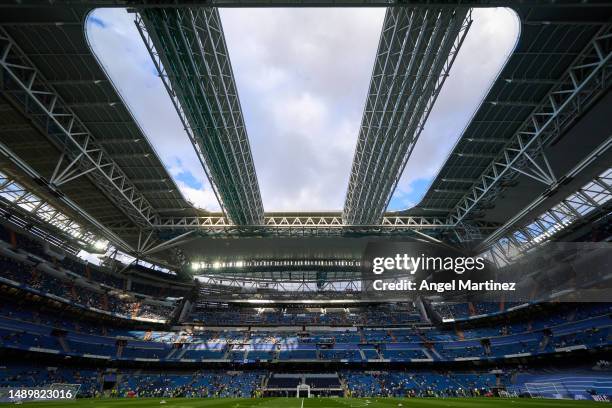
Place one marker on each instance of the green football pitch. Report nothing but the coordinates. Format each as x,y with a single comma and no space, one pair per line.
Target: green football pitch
317,403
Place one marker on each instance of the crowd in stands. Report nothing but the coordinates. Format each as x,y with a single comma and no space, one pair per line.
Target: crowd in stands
209,383
130,383
409,384
586,325
26,272
578,383
466,310
9,310
404,314
27,262
37,376
389,314
58,258
583,326
469,310
99,274
382,333
582,382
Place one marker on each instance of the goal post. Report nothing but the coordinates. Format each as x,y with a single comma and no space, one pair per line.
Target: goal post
303,391
508,393
547,390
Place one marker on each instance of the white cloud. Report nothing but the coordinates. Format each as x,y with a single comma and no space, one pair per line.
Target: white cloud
202,198
302,76
300,112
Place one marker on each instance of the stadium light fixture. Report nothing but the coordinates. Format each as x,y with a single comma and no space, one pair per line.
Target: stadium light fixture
101,245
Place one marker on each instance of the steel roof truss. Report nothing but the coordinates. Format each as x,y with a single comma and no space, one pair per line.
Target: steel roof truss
39,102
585,80
416,50
188,49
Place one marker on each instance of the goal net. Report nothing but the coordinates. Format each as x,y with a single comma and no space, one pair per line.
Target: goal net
547,390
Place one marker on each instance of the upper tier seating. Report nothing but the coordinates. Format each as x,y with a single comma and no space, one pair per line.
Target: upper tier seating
23,329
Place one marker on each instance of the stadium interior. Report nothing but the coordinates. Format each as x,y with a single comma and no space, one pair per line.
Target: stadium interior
111,279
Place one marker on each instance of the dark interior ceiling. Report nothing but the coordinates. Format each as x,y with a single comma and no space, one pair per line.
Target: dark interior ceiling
56,43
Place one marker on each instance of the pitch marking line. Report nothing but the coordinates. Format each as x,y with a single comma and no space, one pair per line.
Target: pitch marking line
353,405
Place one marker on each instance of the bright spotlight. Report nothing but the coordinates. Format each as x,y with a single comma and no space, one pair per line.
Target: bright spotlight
101,244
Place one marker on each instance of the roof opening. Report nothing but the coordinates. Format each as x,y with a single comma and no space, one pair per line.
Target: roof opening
302,76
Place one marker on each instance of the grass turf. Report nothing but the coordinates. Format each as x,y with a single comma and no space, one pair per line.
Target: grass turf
317,403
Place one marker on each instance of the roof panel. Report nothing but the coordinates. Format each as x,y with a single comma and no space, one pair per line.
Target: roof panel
543,53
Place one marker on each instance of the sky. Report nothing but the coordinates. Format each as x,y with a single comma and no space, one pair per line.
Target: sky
302,77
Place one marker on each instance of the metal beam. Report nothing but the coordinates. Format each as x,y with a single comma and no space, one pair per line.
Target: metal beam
78,82
115,141
157,190
42,206
600,184
171,243
303,225
129,156
415,53
27,88
15,127
78,105
587,78
150,181
505,245
188,48
477,155
144,4
449,191
460,180
487,140
315,224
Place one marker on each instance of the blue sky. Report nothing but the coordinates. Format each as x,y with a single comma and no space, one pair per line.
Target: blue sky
302,77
